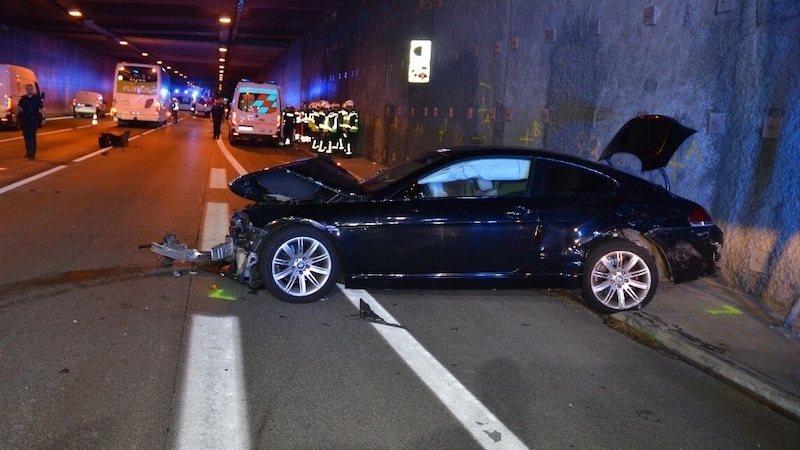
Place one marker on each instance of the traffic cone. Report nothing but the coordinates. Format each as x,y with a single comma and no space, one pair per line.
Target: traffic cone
94,119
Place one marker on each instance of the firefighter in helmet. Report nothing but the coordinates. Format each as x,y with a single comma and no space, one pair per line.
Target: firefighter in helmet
348,123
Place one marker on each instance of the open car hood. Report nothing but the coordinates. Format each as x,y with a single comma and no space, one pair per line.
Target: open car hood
653,139
300,180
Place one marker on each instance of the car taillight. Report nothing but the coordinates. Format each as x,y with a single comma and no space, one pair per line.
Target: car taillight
698,217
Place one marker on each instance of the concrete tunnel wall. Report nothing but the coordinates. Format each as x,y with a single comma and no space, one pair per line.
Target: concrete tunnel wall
61,68
562,75
565,75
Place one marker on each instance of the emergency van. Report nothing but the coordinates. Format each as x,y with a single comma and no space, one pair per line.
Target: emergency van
12,86
255,112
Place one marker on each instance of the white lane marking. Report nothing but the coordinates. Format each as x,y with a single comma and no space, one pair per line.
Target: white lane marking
85,157
215,225
105,149
40,133
44,133
213,405
230,158
476,418
217,179
29,179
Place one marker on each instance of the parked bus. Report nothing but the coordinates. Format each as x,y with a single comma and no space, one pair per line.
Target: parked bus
256,112
141,93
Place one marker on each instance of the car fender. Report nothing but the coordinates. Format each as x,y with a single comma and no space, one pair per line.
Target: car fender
639,239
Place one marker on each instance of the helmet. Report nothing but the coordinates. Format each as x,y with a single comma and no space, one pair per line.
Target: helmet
349,104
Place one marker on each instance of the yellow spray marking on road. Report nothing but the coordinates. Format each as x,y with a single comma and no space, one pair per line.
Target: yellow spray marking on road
725,309
219,294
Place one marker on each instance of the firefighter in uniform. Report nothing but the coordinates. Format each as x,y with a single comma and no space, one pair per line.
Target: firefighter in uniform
314,121
348,122
336,135
328,125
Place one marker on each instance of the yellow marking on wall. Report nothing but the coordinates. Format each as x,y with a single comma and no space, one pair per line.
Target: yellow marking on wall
418,130
443,130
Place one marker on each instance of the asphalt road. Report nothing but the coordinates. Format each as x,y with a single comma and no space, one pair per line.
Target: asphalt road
102,345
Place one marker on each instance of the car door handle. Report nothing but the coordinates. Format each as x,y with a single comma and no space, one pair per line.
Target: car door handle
518,212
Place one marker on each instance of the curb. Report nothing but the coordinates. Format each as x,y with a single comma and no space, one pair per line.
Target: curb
704,355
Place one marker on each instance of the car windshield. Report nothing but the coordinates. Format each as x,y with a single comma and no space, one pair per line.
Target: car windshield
389,176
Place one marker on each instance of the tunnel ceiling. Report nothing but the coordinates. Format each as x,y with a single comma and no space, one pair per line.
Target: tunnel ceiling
184,34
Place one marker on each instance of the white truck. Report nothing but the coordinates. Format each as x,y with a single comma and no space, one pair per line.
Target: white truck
12,86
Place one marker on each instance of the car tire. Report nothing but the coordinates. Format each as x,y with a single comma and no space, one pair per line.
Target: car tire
298,264
619,275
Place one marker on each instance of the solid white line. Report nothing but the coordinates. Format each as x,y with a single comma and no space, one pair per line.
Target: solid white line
213,405
230,158
217,179
29,179
487,430
215,225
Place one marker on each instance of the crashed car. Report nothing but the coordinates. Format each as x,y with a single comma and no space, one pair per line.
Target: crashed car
472,216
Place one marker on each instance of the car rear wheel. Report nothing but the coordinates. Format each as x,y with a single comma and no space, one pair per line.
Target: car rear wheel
619,276
299,265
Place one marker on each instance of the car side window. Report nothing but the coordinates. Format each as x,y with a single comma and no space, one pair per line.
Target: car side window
559,178
479,177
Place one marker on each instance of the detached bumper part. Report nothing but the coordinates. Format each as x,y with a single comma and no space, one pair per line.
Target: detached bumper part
174,249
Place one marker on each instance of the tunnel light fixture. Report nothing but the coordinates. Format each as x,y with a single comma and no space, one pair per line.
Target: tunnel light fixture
225,20
223,49
75,12
145,54
123,42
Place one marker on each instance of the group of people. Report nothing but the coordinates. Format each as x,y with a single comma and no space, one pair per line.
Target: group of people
329,127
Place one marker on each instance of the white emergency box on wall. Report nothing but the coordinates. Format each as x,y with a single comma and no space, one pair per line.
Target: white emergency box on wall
419,61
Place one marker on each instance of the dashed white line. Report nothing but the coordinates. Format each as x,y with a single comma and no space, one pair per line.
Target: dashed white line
213,406
215,225
217,179
29,179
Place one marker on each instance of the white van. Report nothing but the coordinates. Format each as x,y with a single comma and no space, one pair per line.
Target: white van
255,112
88,103
12,86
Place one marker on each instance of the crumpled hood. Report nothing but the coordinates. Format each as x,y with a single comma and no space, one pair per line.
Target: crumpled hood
298,180
653,139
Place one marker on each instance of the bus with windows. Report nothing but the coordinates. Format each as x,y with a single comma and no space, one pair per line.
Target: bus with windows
141,94
256,112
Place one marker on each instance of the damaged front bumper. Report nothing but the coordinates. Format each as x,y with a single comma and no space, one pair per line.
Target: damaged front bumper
174,249
241,262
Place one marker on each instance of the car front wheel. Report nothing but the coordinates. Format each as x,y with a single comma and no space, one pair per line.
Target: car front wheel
619,276
299,265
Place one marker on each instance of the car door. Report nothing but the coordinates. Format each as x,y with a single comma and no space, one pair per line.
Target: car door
443,224
573,203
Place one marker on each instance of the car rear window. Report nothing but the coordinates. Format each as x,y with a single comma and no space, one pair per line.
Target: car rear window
560,178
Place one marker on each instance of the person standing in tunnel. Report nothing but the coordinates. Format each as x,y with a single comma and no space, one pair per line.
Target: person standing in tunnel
217,113
175,109
29,115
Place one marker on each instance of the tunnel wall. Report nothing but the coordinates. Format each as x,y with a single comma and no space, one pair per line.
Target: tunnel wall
565,75
61,68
